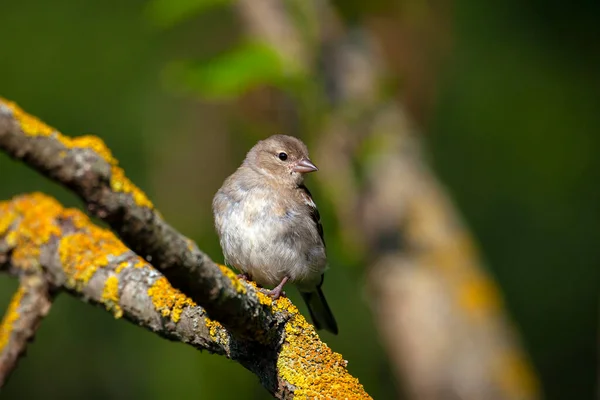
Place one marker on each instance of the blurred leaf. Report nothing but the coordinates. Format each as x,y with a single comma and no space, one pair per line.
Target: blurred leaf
228,75
166,13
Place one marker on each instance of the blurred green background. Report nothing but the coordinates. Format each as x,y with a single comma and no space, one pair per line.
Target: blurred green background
506,95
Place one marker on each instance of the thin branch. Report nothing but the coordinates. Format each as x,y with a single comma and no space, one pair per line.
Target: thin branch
29,305
86,166
93,265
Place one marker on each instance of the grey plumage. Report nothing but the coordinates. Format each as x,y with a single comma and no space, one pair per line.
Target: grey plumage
269,227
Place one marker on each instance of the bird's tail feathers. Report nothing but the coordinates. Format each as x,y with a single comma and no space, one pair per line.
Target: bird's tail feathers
319,311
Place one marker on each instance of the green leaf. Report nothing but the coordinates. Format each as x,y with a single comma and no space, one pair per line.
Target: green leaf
230,74
166,13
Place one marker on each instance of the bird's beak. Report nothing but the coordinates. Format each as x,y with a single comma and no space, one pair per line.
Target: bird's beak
304,165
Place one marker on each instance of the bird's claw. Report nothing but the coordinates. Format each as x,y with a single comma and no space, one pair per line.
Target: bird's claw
273,293
245,277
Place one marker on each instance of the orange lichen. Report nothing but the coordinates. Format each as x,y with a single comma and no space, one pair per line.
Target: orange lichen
10,317
169,301
76,217
82,253
478,296
217,332
237,285
37,217
284,304
7,217
264,299
35,227
94,143
32,126
110,296
120,183
310,365
29,124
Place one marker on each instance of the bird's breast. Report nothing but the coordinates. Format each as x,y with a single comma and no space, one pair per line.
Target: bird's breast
268,240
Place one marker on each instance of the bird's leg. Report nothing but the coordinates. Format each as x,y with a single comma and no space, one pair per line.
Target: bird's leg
277,290
244,276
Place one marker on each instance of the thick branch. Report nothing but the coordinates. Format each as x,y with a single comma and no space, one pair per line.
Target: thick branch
85,165
29,305
93,265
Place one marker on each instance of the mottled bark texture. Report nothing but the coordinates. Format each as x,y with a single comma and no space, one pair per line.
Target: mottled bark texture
269,338
29,305
439,312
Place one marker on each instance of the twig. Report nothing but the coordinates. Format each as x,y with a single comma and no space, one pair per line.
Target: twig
29,305
93,265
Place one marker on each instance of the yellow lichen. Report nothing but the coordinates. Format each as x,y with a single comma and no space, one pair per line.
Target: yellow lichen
76,217
516,377
35,227
35,217
110,296
120,183
122,265
310,365
29,124
7,217
264,299
478,296
11,315
32,126
94,143
237,285
169,301
217,332
82,253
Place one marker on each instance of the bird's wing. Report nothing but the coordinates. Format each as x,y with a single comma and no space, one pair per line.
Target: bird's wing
314,212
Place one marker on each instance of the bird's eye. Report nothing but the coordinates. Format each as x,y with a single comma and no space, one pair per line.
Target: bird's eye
282,156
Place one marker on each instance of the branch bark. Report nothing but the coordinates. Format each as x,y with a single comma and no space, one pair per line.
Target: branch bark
86,166
92,264
29,305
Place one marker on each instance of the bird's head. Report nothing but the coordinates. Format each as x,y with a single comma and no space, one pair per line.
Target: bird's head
281,157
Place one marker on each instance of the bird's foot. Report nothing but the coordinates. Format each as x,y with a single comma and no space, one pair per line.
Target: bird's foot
244,276
274,293
277,291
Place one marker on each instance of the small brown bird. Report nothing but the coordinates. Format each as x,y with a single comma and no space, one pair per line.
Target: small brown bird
269,226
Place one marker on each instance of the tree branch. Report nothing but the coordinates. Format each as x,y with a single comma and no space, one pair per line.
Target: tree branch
86,166
29,305
91,264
